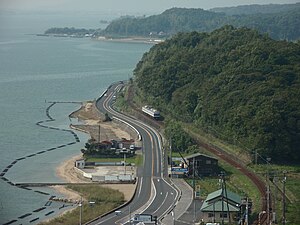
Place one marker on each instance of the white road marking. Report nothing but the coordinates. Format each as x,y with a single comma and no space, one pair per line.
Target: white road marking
161,204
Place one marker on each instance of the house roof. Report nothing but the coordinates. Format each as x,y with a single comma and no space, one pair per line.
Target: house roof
106,142
217,207
214,202
229,195
199,154
79,160
124,140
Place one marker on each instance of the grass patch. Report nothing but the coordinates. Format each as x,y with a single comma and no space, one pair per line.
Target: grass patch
105,200
177,155
137,159
120,103
207,185
206,137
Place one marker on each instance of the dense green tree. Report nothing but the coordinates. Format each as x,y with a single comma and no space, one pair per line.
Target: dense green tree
179,139
279,24
241,86
256,8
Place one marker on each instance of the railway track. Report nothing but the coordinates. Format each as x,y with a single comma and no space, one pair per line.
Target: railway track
252,176
230,159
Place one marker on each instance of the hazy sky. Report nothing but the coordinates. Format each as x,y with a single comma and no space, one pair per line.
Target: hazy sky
126,5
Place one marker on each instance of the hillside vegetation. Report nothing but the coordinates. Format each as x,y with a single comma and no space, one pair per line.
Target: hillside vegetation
256,8
280,25
243,86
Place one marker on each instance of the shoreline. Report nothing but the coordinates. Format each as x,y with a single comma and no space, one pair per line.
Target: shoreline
89,115
144,40
130,40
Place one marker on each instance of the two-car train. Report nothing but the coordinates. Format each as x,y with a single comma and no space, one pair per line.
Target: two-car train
151,112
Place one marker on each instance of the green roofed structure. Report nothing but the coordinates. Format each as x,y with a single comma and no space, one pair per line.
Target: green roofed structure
221,205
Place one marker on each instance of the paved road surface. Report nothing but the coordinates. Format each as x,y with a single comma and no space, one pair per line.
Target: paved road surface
154,194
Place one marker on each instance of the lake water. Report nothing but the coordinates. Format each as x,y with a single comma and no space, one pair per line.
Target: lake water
33,71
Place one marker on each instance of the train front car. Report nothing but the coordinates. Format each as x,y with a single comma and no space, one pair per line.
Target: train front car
151,112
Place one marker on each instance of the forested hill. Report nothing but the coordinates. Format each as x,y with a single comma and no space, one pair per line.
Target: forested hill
169,22
242,86
255,9
282,25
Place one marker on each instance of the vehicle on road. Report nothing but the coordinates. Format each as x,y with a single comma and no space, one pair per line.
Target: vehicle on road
118,212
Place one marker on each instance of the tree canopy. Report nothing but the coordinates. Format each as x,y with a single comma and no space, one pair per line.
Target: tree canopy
234,82
256,9
279,24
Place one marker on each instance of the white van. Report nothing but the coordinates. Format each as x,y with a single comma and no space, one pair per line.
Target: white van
118,212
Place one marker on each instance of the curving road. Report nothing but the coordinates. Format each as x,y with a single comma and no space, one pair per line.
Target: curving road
155,194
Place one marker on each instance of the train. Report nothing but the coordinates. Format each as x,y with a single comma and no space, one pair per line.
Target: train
155,114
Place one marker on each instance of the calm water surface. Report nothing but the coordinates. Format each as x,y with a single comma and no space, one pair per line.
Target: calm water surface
34,70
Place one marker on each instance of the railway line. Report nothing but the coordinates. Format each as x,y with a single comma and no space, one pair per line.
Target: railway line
230,159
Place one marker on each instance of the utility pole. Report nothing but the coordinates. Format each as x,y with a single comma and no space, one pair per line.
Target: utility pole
129,216
80,211
99,138
214,212
171,161
194,189
222,196
283,199
275,196
268,203
99,134
247,212
225,189
268,197
124,163
255,156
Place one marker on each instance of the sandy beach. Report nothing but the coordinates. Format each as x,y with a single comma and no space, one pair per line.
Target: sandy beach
92,120
67,172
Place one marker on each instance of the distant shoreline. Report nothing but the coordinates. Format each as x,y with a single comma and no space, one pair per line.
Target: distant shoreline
102,38
131,40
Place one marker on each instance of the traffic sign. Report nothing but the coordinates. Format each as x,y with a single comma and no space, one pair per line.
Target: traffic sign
182,170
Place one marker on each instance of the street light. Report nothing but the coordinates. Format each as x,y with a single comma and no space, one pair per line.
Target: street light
173,211
259,215
80,212
173,215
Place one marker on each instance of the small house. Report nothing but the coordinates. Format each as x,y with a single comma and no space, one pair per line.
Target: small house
80,164
124,143
221,206
203,165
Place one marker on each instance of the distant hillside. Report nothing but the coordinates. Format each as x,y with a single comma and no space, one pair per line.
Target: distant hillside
235,83
256,9
282,25
168,23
